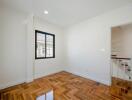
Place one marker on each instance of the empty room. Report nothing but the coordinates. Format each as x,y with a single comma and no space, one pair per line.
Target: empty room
65,50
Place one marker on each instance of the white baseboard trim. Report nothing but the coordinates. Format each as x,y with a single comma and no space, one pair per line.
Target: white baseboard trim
9,84
108,83
46,74
29,80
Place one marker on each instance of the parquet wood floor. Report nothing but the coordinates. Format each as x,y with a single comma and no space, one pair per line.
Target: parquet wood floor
67,86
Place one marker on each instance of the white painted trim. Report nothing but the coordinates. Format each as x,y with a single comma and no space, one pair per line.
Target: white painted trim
42,75
91,78
29,80
46,74
9,84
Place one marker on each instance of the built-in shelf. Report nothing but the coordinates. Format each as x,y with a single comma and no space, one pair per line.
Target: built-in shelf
121,58
113,55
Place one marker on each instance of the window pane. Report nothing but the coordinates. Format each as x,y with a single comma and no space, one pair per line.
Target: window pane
49,38
49,46
40,45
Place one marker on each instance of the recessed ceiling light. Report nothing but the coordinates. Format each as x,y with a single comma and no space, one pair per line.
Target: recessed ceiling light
46,12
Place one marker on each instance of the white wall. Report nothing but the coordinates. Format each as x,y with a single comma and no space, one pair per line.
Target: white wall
17,61
17,44
89,45
116,41
121,39
12,47
127,40
47,66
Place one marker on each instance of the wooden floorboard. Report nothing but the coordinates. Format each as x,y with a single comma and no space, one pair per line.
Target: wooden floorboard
67,86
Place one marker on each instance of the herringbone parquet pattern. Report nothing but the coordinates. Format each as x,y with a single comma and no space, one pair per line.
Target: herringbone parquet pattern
66,86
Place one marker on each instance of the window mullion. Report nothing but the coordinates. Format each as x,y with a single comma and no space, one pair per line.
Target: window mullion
53,46
45,47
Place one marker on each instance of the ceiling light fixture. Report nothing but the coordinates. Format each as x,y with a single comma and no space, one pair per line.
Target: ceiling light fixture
46,12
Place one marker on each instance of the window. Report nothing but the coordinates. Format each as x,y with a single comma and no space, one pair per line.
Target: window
44,45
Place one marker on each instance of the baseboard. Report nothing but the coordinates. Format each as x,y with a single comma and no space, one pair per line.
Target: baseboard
42,75
46,74
9,84
29,80
108,83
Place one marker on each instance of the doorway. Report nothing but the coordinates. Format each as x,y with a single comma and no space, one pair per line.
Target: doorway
121,60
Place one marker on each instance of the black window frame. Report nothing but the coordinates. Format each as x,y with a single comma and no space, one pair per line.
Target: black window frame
45,33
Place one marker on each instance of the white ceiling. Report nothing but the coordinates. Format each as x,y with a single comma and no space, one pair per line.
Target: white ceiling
66,12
